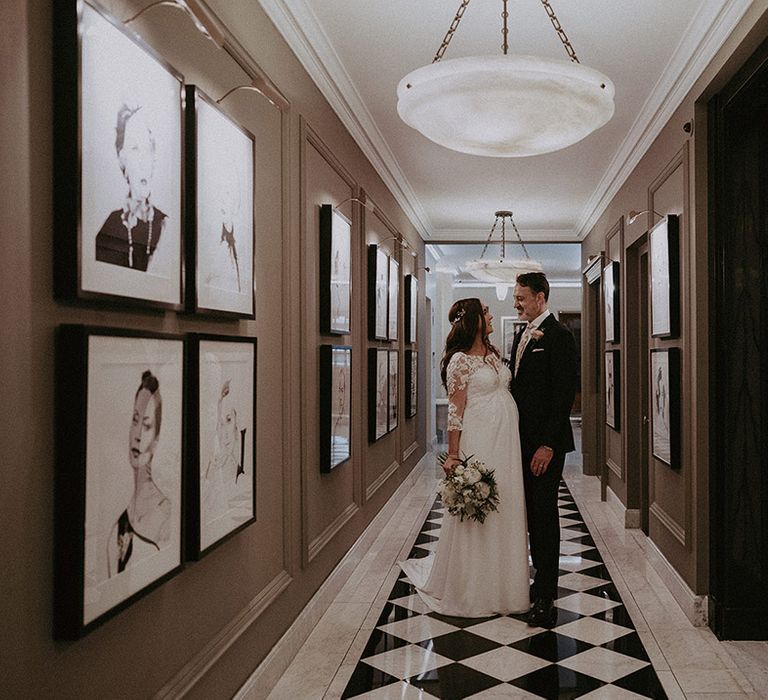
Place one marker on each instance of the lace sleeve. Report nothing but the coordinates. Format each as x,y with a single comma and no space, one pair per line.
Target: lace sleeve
457,374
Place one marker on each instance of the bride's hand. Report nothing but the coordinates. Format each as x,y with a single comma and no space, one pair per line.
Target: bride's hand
449,464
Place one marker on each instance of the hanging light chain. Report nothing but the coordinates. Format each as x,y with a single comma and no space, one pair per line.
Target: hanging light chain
504,28
451,31
506,215
490,235
519,239
560,31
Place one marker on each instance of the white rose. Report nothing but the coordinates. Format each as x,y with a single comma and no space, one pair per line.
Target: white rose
473,475
483,490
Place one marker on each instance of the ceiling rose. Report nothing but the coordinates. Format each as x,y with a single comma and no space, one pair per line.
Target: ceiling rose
505,106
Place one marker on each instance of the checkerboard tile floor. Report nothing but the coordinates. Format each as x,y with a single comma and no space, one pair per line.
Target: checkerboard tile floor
593,651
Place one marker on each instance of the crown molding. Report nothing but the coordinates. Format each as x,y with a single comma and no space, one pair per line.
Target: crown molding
702,39
300,28
450,235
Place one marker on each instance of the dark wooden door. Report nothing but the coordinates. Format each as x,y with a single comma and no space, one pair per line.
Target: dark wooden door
738,486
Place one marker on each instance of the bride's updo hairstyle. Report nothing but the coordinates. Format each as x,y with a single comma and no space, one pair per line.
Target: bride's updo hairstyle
465,316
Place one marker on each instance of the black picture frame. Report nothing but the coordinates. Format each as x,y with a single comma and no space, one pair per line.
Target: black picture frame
664,399
378,292
664,277
335,406
107,248
411,304
108,381
394,297
378,393
393,390
613,389
611,299
411,383
220,163
335,272
222,468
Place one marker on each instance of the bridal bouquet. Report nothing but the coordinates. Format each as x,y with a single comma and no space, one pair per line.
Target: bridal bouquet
470,491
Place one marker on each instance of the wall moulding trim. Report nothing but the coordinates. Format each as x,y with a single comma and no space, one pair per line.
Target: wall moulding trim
316,546
615,467
702,39
410,450
668,522
379,481
193,671
270,670
300,28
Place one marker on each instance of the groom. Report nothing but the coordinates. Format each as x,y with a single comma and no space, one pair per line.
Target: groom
544,375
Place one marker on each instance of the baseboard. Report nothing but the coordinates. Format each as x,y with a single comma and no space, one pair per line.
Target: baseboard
629,516
695,606
270,670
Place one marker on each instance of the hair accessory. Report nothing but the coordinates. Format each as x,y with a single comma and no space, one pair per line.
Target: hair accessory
459,315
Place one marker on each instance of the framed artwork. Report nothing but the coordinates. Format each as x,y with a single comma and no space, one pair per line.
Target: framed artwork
665,405
611,301
394,296
220,157
664,249
392,404
118,164
118,488
335,405
378,292
221,458
411,383
613,389
335,271
411,298
378,392
510,327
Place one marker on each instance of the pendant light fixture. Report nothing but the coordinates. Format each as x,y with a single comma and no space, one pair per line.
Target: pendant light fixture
508,105
502,272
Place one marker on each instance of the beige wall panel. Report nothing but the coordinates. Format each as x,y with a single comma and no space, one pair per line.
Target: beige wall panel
328,499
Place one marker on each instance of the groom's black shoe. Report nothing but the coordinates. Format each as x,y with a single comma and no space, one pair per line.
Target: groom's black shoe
543,613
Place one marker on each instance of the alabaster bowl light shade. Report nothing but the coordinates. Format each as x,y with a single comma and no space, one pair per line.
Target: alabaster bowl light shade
500,271
505,105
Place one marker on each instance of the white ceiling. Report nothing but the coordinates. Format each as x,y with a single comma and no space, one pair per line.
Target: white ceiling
358,50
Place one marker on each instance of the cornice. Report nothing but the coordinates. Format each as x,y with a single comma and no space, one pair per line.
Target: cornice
702,39
450,235
300,28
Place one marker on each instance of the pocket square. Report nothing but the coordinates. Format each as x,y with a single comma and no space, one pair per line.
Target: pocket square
538,350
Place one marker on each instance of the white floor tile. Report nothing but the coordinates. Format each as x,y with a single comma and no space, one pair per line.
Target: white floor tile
505,663
604,664
592,631
417,629
580,582
504,630
407,661
585,603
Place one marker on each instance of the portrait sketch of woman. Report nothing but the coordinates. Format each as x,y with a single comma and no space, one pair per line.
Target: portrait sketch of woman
660,405
382,371
226,400
382,292
394,290
225,225
341,253
131,167
341,396
133,467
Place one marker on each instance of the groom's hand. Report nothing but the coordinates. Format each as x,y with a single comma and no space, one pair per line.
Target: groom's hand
541,459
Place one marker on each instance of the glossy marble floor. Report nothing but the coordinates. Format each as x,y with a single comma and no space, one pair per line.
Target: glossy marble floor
619,632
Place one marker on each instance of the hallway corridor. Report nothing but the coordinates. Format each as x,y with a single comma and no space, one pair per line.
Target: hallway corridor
619,632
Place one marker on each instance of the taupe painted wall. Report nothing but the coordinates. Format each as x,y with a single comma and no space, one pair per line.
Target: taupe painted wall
250,589
670,178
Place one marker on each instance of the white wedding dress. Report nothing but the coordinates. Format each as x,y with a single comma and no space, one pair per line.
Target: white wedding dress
481,569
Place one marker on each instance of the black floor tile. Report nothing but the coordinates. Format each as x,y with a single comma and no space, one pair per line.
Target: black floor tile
557,682
453,681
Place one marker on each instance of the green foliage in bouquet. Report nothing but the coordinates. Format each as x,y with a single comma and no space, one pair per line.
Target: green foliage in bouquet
470,490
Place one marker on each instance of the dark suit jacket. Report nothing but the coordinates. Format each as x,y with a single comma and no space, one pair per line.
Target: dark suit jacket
545,387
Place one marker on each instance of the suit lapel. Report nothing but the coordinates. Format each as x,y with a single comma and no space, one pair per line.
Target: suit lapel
533,343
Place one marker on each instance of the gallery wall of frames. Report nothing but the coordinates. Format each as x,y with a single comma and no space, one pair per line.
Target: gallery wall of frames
211,377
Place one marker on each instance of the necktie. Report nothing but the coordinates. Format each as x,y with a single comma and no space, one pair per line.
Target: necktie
523,342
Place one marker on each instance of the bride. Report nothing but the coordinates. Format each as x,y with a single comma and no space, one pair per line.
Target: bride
478,569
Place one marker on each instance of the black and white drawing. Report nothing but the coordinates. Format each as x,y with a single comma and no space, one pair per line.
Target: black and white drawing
119,200
664,398
392,403
664,265
411,298
335,409
411,383
378,292
223,486
394,292
220,166
611,301
612,389
378,392
119,479
335,271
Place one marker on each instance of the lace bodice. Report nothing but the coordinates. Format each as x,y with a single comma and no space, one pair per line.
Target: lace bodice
469,377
